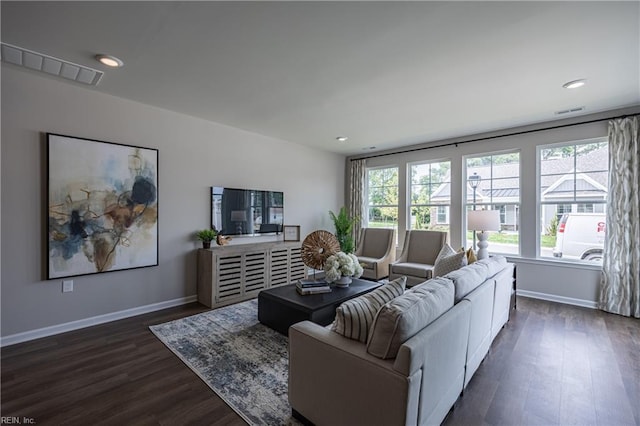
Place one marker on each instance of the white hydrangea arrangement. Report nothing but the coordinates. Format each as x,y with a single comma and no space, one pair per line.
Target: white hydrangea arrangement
341,264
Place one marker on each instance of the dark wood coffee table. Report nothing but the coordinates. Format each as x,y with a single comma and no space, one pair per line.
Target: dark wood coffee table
281,307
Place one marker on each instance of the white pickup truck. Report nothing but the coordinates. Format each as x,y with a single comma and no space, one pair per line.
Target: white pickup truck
580,236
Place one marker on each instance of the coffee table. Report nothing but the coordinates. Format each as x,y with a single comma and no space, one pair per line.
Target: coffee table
281,307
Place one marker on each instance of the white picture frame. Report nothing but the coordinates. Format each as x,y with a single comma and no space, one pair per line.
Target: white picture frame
291,232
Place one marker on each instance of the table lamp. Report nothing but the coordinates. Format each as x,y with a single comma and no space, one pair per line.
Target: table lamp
483,221
239,217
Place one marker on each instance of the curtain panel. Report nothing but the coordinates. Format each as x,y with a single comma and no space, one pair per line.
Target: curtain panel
357,182
620,285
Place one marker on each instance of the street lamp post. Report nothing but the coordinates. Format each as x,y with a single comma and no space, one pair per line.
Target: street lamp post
474,182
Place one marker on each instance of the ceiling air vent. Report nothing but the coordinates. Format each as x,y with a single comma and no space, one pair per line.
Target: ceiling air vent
50,65
570,111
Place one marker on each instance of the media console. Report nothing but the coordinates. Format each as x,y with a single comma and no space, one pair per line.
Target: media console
230,274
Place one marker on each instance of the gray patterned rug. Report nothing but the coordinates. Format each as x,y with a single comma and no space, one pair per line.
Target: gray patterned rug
243,361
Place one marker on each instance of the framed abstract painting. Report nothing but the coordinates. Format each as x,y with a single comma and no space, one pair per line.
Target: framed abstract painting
102,206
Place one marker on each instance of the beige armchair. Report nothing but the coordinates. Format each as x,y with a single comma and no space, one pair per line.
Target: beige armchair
419,254
376,250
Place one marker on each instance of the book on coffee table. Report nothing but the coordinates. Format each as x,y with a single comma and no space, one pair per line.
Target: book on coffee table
313,290
311,283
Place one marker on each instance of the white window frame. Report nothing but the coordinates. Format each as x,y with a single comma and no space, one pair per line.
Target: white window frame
409,203
465,194
365,222
540,226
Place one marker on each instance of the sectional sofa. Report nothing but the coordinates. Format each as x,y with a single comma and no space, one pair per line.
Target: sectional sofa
421,351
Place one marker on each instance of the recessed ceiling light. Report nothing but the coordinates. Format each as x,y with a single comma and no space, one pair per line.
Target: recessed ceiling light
110,61
574,84
342,138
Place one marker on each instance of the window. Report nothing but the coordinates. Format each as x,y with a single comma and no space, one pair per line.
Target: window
573,184
443,215
382,194
585,208
430,196
493,183
503,212
562,209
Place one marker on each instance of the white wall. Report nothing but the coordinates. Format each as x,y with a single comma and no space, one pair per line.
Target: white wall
553,280
194,154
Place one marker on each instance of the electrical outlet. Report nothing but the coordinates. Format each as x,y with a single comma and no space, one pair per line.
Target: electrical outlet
67,286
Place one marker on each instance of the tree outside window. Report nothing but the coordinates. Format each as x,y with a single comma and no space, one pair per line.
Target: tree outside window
382,193
430,198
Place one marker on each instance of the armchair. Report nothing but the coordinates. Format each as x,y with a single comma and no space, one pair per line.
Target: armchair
376,250
418,257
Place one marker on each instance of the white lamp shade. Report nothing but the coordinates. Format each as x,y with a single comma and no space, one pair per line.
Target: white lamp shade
483,220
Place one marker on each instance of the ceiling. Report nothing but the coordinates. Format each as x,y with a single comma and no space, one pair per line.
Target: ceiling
385,74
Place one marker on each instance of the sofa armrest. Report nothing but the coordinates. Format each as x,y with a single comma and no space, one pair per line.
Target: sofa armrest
502,299
333,380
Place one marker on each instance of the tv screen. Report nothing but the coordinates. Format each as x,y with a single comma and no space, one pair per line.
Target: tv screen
246,211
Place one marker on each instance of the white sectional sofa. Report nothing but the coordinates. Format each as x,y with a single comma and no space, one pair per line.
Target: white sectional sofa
422,350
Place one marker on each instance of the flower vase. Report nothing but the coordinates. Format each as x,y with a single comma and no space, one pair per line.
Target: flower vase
343,282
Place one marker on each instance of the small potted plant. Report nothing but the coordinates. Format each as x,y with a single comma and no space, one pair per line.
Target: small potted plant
206,236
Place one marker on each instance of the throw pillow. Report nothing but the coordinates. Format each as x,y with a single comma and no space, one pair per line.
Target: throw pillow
354,317
448,260
471,255
404,316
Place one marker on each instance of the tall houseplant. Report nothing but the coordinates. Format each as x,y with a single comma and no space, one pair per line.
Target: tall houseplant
344,229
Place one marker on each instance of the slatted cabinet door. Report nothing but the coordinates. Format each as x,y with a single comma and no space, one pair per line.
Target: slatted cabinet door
297,268
255,272
279,267
229,284
230,274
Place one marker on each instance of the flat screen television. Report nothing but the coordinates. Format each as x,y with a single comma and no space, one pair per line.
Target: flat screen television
246,211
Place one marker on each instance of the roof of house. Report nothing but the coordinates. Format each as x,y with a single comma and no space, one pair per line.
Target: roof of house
501,182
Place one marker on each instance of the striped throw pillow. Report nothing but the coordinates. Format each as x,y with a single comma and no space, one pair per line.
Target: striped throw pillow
354,317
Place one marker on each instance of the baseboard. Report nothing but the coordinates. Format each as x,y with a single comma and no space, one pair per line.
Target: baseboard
88,322
560,299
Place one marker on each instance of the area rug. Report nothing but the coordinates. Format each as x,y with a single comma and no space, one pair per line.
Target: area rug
243,361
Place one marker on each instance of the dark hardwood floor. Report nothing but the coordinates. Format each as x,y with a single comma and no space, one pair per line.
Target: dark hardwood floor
555,364
112,374
551,364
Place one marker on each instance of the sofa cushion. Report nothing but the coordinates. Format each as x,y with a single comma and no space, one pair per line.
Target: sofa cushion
468,278
413,269
403,317
354,317
494,264
448,260
367,262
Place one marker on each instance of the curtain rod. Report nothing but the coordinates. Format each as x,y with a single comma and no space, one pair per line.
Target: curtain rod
522,132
